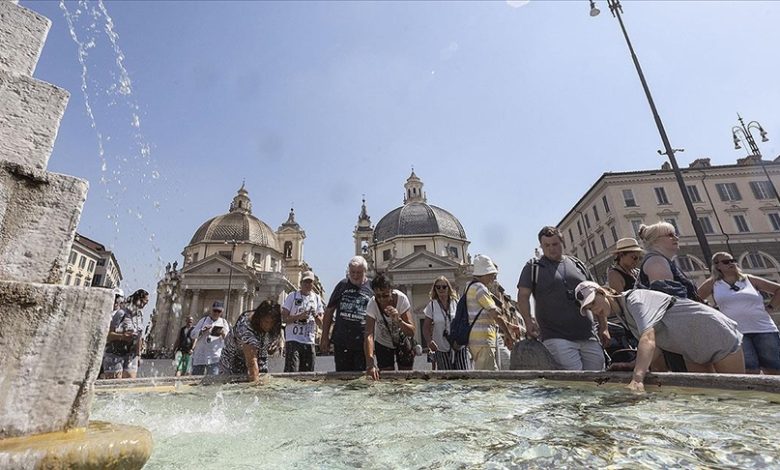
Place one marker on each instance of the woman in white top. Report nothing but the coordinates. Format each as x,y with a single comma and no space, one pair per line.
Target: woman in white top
439,314
738,296
389,329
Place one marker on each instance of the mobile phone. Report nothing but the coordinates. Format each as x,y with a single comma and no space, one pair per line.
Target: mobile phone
216,330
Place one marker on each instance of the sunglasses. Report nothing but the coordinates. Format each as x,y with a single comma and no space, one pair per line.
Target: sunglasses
441,287
673,235
727,261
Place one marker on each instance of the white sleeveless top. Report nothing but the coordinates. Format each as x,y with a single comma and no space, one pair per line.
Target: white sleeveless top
745,306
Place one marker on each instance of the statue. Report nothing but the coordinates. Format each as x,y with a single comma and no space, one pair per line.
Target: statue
175,265
167,268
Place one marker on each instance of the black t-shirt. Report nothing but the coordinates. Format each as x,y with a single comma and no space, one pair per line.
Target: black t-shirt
185,342
350,302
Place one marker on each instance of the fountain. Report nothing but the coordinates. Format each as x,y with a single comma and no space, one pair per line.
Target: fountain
51,336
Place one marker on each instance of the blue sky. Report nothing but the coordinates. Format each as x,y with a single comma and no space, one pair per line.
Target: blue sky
507,114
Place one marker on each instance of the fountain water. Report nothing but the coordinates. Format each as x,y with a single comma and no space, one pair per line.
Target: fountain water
51,336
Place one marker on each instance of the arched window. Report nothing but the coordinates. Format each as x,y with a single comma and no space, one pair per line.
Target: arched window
690,263
288,249
757,260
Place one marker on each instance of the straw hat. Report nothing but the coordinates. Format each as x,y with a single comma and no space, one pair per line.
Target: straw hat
626,245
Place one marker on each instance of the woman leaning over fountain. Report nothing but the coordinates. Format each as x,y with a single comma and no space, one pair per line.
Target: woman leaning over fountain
738,296
438,318
256,334
708,340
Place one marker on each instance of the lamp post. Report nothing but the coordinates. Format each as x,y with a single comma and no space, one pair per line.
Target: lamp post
742,132
616,9
230,276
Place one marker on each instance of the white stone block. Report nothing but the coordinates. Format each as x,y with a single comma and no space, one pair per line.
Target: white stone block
22,34
51,344
39,213
30,114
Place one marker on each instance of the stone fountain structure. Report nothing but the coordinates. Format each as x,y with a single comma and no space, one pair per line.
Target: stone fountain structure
51,336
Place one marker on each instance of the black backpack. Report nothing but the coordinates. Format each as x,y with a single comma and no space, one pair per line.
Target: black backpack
460,328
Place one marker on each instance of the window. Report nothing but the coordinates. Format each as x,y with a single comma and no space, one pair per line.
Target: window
91,266
587,221
82,262
741,223
386,255
453,251
706,225
728,192
593,248
628,198
97,280
762,189
693,193
635,223
78,281
755,261
685,263
101,262
596,213
73,256
614,234
603,241
571,238
225,254
419,248
774,219
660,196
673,221
606,204
579,227
195,257
67,279
288,248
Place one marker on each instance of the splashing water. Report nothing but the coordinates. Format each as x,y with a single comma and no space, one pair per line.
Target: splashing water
127,169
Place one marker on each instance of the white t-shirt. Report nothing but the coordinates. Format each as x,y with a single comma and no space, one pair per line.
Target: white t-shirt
296,303
382,335
208,348
745,306
442,320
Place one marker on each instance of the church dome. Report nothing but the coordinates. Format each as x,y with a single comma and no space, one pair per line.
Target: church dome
417,217
238,224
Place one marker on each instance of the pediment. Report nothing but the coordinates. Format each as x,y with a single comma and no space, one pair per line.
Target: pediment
424,260
210,265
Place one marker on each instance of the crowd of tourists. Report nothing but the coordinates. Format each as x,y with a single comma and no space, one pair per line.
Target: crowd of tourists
648,317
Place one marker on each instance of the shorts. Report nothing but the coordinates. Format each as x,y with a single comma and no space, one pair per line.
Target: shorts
206,369
116,363
184,363
386,358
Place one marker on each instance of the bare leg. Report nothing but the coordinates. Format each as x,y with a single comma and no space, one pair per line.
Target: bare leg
732,364
699,368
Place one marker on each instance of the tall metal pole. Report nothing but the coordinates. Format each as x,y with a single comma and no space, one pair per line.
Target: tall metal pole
616,9
754,150
230,278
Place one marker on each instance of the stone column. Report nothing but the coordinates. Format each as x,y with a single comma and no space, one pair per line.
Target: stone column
195,309
241,298
251,298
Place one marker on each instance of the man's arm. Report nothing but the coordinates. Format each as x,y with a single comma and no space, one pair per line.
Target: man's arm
327,321
524,308
368,346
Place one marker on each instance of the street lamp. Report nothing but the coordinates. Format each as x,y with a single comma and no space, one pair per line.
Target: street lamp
742,132
230,275
616,9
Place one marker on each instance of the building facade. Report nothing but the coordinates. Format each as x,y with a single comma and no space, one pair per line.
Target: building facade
735,204
413,245
234,257
91,264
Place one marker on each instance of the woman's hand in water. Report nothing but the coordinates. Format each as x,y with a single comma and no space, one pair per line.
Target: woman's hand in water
637,387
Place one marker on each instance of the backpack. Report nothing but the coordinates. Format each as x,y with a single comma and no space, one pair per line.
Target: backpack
460,328
535,271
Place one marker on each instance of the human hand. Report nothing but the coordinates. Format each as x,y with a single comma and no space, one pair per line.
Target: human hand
372,372
128,336
605,338
391,311
532,329
433,346
636,386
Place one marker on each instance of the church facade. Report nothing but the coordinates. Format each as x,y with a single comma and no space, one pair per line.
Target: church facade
413,245
234,257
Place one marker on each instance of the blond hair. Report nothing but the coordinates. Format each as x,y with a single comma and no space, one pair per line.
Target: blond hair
650,234
432,294
716,274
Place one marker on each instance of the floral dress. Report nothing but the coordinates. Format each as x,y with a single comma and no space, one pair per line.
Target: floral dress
232,360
